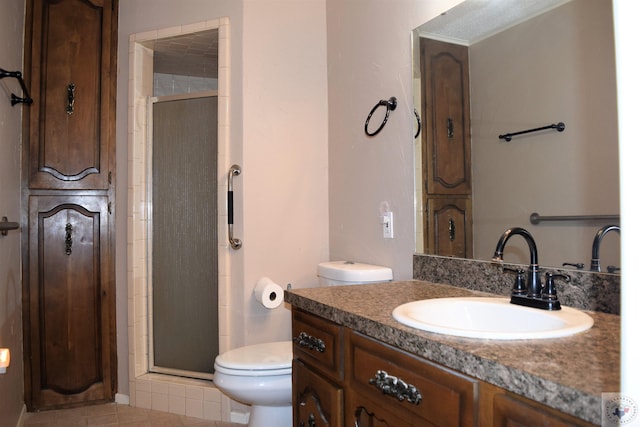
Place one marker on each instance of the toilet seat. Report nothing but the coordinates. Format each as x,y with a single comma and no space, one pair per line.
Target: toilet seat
273,358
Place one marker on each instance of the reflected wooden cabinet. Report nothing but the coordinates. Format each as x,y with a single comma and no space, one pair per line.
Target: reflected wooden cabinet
449,225
446,148
68,185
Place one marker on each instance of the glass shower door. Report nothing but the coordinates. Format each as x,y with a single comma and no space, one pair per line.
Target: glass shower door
184,330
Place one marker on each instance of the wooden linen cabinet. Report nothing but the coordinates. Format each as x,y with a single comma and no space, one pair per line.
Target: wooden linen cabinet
67,193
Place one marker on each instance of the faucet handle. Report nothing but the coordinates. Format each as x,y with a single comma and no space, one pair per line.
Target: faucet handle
519,286
578,265
549,291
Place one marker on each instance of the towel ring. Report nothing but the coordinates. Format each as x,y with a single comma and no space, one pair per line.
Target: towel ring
390,105
419,123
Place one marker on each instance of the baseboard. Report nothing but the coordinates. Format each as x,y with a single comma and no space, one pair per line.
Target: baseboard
23,413
122,399
239,417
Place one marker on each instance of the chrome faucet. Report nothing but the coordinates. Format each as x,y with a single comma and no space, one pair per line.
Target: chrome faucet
534,285
595,250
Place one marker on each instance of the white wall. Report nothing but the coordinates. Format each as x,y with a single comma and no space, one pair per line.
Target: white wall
369,59
284,180
11,42
278,132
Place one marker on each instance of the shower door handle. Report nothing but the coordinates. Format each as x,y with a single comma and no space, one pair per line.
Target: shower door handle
234,242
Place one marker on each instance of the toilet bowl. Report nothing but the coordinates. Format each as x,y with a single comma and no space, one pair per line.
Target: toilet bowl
260,375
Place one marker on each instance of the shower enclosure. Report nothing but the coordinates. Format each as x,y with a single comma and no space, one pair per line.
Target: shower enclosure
183,233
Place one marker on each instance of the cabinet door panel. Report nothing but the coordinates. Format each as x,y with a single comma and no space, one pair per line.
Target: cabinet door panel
71,118
69,300
515,411
447,147
317,402
413,389
449,228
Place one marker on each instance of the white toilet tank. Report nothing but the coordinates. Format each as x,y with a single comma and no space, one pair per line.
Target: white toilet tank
339,273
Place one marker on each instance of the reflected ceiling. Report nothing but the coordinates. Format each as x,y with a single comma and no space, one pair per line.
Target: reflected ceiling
474,20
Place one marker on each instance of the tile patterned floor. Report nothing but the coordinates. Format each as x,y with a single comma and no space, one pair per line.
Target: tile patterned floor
114,415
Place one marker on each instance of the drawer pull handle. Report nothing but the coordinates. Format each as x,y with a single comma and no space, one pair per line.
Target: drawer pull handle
308,341
394,386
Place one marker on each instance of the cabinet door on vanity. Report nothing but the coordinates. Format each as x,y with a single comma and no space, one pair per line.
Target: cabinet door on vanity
388,387
73,75
318,402
70,300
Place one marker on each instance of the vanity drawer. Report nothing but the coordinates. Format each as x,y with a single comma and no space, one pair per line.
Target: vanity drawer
446,398
318,342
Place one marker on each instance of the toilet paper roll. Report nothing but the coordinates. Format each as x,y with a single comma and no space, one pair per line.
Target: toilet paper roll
268,293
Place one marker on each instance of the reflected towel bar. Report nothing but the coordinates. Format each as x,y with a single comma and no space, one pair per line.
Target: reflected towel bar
536,218
507,136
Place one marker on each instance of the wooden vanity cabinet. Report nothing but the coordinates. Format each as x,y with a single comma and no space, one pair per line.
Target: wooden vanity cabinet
317,371
508,409
359,381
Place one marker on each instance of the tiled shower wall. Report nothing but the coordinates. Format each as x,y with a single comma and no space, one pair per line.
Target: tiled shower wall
195,398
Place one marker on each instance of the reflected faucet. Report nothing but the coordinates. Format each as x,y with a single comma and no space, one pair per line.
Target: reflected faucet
534,285
595,251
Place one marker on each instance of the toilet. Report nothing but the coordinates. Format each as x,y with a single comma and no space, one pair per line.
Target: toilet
260,375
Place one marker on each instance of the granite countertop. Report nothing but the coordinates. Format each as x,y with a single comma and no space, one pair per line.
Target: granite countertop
568,374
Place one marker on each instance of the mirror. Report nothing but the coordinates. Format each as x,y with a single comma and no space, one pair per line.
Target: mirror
533,68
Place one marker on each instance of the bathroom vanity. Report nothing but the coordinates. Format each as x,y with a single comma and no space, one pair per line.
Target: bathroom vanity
355,365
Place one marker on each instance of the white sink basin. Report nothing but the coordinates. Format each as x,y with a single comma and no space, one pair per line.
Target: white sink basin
490,318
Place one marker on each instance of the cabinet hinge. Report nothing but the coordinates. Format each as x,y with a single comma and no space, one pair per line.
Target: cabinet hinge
109,208
109,177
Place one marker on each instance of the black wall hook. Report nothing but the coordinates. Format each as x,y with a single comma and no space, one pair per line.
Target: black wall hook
14,98
390,105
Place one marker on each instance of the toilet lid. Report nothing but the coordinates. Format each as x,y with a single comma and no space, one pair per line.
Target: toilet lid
273,358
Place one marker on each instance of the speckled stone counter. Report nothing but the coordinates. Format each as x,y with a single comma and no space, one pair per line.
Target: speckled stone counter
568,374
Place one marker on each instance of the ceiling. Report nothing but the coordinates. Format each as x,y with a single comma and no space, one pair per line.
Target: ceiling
194,54
475,20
